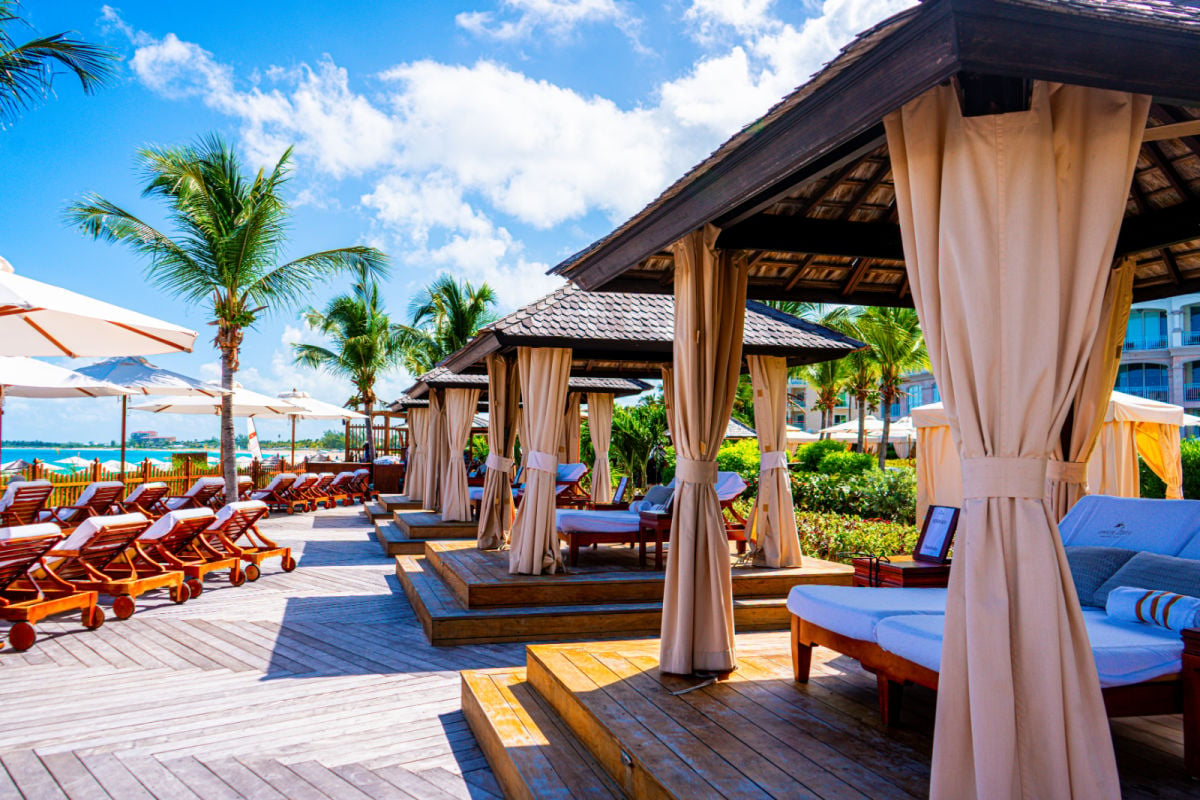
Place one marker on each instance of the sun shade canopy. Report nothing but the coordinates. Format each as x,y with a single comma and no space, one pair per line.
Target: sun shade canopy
245,404
28,377
311,408
443,378
141,377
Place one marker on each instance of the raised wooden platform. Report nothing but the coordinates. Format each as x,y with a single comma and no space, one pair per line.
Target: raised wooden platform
429,525
395,542
399,502
608,574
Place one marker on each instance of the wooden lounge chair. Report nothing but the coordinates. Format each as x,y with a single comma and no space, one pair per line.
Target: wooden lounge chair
319,493
99,556
175,541
97,499
25,600
362,486
339,490
145,499
235,532
23,501
245,485
298,497
568,486
618,502
198,496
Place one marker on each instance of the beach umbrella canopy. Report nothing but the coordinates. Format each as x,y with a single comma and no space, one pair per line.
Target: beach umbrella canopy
74,461
311,408
38,319
245,404
799,435
28,377
16,465
142,377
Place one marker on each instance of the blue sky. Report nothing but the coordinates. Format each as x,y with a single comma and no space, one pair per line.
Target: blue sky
486,138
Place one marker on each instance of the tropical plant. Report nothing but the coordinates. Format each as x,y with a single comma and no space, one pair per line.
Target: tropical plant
27,70
442,319
363,342
846,463
898,348
878,494
836,536
827,378
637,431
230,231
809,456
862,383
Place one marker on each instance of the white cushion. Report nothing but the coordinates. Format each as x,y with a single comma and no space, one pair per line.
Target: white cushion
11,492
26,531
729,485
227,511
854,611
91,526
578,521
1133,523
167,522
142,488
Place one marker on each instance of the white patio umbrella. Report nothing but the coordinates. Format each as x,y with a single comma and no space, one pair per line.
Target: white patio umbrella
314,409
245,404
38,319
74,462
28,377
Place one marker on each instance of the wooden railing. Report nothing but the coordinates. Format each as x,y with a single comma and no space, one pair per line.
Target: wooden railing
388,439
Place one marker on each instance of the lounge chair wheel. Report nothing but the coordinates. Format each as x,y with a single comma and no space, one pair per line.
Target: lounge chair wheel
123,606
93,617
195,588
21,636
252,572
237,578
180,593
288,563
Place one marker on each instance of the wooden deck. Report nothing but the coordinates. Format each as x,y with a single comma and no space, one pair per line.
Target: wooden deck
429,525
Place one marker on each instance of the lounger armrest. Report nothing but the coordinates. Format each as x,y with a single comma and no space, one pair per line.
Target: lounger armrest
608,506
1191,641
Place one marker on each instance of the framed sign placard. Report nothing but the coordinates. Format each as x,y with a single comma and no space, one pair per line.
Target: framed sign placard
937,532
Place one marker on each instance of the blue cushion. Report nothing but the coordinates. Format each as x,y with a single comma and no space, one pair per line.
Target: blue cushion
1091,566
1132,523
1153,571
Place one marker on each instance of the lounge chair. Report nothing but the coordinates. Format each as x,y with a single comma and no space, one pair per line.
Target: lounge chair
339,490
97,499
235,532
568,488
24,600
99,556
175,541
23,501
319,493
146,499
275,493
298,498
362,486
618,502
199,495
1143,669
245,485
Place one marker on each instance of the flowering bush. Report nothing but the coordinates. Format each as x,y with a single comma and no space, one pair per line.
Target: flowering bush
833,536
888,495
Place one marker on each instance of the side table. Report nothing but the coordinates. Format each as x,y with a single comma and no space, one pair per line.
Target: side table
653,526
900,572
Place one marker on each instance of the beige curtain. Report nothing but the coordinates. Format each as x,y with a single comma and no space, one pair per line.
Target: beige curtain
1009,224
1113,467
414,473
1158,446
460,405
544,372
435,451
600,414
710,306
1067,475
668,387
939,470
496,507
568,441
773,517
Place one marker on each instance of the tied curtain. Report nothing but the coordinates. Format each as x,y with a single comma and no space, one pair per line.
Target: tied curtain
496,507
600,415
774,515
1159,447
568,444
435,451
1009,223
543,372
1067,476
710,306
460,405
414,474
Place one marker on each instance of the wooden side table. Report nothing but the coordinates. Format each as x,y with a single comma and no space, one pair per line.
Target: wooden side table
900,572
653,526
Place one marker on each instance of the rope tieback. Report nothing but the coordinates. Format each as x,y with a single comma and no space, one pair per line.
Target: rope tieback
543,462
499,463
1067,471
774,459
689,470
1004,477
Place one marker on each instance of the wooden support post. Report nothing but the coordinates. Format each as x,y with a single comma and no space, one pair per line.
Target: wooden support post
387,434
1191,701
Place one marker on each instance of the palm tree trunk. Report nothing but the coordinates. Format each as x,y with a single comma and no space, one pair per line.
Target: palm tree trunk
887,424
228,457
369,442
862,422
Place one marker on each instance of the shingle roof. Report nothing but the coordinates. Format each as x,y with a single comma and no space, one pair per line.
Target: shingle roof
443,378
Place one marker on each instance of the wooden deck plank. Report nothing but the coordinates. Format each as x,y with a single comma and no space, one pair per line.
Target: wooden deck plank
31,776
72,777
111,773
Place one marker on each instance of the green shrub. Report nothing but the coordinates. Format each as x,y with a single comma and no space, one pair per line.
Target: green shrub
809,456
1152,485
887,495
742,457
846,463
834,536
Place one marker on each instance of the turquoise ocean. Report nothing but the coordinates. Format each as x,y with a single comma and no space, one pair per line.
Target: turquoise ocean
103,453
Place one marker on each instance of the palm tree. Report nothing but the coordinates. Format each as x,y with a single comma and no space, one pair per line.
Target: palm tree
230,231
364,343
898,347
827,378
27,70
442,319
862,380
636,432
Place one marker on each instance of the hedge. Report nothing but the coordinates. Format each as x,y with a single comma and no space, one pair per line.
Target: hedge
888,495
834,536
1152,486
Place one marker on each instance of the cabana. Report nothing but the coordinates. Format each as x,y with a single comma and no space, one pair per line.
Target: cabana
614,334
1133,426
1017,170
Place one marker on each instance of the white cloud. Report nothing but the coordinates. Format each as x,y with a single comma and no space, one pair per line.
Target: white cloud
711,17
557,18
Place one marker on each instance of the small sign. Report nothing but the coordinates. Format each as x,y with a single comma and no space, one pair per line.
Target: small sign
937,533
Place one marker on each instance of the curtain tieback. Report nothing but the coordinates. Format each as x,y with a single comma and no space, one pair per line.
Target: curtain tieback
1067,471
545,462
688,470
499,463
774,459
1004,477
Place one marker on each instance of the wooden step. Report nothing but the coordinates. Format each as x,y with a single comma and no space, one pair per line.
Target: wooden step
375,510
399,502
429,525
532,753
394,540
447,622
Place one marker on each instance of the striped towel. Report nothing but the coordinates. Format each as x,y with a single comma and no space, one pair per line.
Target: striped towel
1165,609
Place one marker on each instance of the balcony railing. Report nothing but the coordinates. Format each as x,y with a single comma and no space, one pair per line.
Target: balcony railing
1191,337
1159,393
1191,391
1146,344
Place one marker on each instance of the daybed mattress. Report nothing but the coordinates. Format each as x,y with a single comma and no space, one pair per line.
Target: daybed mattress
1125,652
854,611
577,521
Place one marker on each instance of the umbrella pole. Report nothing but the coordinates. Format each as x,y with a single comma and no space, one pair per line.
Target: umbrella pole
1,424
124,413
293,416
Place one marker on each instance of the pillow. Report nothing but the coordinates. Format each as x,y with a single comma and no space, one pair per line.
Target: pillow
1164,609
1092,565
658,498
1153,571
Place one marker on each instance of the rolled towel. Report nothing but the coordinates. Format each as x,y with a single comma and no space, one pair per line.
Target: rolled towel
1165,609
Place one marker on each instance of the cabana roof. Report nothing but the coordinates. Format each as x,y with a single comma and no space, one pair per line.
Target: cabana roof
442,378
613,333
806,191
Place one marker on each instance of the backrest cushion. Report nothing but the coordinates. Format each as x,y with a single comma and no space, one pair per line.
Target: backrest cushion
657,497
1091,566
1132,523
1153,571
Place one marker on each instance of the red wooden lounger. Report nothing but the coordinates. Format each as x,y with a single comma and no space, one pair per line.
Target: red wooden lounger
297,497
339,490
97,499
361,486
197,496
25,600
275,495
235,532
618,502
175,542
99,556
23,501
320,492
145,499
